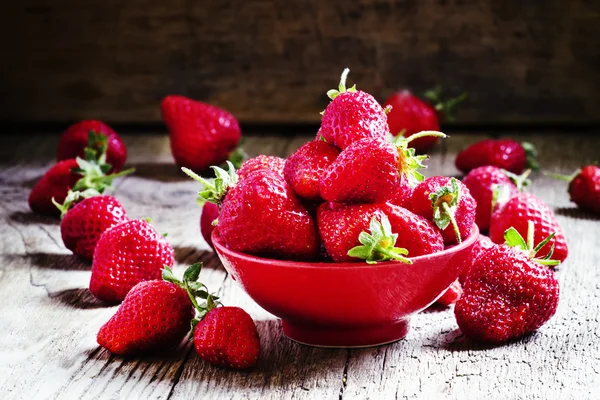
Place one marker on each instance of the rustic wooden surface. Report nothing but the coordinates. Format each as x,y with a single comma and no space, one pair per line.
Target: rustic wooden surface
272,61
48,318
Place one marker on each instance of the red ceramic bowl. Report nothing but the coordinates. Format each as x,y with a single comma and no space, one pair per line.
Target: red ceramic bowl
345,304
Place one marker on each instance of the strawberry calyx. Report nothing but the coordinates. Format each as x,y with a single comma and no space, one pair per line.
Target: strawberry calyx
444,203
531,154
561,177
445,108
379,245
410,163
333,93
514,239
214,190
501,193
520,181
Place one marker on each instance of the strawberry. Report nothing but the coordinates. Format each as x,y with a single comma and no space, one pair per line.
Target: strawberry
126,255
83,224
507,294
403,195
54,184
154,316
273,163
448,203
352,115
200,134
415,233
210,212
481,245
504,153
74,140
306,165
526,207
370,170
451,295
410,115
260,214
483,181
584,187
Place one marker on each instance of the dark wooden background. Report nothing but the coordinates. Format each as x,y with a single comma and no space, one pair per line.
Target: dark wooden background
522,62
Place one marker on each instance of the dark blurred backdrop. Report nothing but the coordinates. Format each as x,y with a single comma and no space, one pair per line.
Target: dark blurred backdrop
522,62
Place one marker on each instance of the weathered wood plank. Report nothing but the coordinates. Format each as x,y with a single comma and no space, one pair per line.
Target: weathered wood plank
272,61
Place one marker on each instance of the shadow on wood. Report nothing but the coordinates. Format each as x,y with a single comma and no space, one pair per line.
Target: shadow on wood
577,213
159,172
80,298
28,218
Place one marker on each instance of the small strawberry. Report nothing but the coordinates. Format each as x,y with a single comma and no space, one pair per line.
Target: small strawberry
526,207
200,134
83,224
54,184
210,212
584,187
415,233
482,182
481,245
260,214
352,115
448,203
451,295
273,163
508,293
503,153
154,316
126,255
306,165
74,140
410,115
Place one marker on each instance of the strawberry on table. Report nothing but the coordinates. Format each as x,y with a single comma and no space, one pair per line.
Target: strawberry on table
584,187
508,292
126,255
200,134
54,184
481,245
507,154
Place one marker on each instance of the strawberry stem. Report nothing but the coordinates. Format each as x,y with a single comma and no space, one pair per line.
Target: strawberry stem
378,245
452,221
560,177
513,238
333,93
444,203
446,109
214,190
425,134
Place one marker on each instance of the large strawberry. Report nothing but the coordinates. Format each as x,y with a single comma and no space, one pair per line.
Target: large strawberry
273,163
481,245
526,207
260,214
200,134
503,153
410,115
74,140
403,195
305,166
584,187
126,255
415,233
352,115
154,316
507,294
448,203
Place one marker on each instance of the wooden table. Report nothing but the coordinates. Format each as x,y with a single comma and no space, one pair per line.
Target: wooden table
49,320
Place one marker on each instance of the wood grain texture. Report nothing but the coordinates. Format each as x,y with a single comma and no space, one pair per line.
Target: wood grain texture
49,319
272,61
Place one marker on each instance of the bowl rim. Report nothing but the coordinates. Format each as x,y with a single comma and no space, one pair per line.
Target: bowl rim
221,248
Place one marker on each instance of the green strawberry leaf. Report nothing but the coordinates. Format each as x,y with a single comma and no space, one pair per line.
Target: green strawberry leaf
378,245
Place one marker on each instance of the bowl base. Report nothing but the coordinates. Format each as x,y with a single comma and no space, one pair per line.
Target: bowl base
345,336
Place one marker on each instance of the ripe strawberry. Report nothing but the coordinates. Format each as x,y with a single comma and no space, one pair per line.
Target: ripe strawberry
503,153
584,187
507,293
448,203
410,115
306,165
227,337
352,115
403,195
483,181
451,295
210,212
200,134
55,184
126,255
526,207
74,140
415,233
154,316
260,214
481,245
273,163
83,224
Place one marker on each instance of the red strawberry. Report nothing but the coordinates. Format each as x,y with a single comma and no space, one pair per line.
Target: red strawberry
260,214
410,115
584,187
154,316
126,255
483,181
507,294
201,135
306,165
352,115
504,153
451,295
448,203
526,207
83,224
415,233
55,184
273,163
74,140
403,195
210,212
227,337
481,245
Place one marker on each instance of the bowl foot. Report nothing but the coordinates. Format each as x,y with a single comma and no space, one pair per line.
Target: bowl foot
345,336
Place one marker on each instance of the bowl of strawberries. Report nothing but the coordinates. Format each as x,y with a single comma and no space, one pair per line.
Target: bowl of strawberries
344,239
